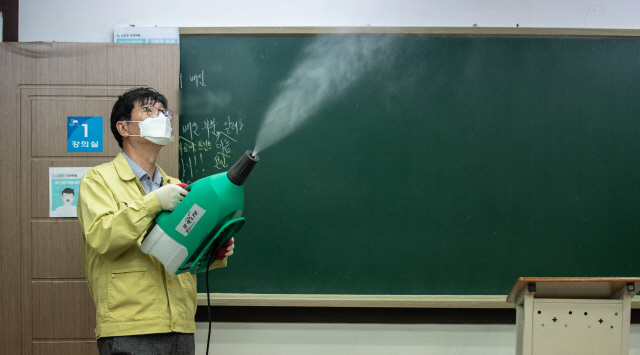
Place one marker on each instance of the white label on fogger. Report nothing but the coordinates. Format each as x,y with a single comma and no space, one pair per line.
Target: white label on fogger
190,220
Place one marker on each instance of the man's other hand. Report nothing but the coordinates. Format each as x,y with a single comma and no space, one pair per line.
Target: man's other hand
225,251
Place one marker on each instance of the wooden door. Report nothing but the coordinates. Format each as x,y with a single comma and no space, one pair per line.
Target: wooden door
45,305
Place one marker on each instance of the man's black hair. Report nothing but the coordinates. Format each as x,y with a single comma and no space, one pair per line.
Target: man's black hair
122,108
68,191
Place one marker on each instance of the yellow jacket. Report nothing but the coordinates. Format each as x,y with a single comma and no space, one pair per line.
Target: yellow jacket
132,291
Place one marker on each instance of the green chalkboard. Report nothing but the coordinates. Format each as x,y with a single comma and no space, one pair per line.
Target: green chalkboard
452,166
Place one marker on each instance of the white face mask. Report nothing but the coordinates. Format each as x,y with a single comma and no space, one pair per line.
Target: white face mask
156,129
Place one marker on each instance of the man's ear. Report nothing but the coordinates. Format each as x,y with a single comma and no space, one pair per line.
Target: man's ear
122,128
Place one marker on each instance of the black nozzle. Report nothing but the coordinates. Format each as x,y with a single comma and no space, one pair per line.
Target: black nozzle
240,170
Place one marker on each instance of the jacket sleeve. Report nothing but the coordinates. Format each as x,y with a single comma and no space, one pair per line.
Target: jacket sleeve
108,230
217,264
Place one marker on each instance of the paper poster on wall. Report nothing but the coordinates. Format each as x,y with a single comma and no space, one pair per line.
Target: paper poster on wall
84,134
146,35
63,191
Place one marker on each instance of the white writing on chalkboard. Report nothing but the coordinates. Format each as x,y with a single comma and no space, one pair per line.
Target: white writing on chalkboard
196,79
191,128
209,136
210,126
233,126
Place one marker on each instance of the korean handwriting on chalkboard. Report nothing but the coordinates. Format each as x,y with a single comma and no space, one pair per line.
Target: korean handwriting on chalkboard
208,137
196,79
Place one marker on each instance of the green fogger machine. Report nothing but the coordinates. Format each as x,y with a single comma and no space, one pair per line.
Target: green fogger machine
206,219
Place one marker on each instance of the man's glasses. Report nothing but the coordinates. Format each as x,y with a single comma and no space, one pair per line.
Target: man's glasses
153,111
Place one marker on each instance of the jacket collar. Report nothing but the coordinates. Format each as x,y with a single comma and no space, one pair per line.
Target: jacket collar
125,172
123,168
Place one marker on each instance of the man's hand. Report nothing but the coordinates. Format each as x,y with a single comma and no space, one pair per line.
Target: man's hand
170,196
225,251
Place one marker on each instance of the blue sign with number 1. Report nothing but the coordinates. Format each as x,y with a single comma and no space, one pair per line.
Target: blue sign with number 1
84,134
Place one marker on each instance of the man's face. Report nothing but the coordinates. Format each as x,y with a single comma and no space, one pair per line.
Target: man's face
67,198
139,114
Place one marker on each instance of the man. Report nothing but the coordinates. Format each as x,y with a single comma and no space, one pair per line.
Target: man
140,308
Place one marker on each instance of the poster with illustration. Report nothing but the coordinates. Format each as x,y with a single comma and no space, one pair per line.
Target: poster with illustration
63,191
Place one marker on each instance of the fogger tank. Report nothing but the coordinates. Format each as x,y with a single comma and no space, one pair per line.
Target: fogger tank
206,219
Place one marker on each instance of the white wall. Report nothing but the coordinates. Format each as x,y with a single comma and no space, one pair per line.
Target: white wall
94,20
365,339
356,339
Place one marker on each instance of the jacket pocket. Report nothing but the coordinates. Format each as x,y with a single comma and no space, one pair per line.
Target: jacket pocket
132,294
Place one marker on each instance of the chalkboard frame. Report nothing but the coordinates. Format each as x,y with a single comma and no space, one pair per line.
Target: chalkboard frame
429,31
389,301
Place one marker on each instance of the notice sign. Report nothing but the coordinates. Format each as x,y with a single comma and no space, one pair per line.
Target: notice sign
146,35
63,191
84,134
